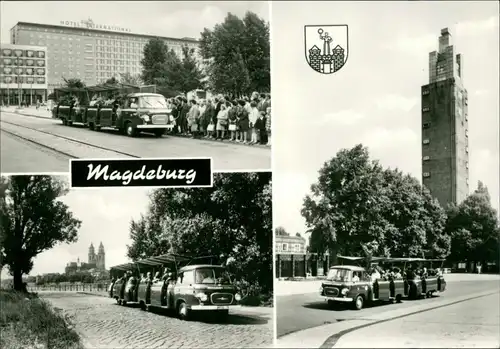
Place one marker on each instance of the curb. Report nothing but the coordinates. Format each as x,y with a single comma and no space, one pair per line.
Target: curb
325,336
262,146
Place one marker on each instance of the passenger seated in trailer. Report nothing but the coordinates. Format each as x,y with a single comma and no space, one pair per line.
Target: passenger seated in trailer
157,277
396,272
94,100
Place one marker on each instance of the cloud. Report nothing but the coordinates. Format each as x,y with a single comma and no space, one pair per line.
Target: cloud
343,117
395,102
477,27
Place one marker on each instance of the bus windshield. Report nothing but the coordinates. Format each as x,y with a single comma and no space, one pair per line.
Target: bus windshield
335,274
212,276
154,102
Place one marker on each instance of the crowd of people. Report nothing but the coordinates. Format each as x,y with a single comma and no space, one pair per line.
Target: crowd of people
246,120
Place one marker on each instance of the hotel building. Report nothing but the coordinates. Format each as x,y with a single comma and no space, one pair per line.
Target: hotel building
445,137
88,51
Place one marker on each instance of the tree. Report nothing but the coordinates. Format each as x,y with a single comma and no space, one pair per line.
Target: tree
155,56
129,79
111,81
358,208
74,83
280,231
474,228
237,54
33,220
232,220
191,74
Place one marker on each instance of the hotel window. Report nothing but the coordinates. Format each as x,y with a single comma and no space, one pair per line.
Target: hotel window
467,181
427,174
425,92
466,164
467,150
425,109
466,133
427,158
284,247
426,141
297,247
426,124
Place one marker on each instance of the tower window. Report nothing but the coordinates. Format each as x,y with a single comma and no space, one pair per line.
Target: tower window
466,133
427,174
426,141
425,92
467,150
426,124
427,158
467,165
426,109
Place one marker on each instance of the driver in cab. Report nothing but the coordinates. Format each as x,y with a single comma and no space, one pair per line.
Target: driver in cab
355,277
134,103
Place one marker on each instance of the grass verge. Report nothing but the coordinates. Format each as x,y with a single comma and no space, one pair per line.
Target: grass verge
27,321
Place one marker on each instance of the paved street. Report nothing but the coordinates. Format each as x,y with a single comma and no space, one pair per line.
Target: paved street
104,324
50,134
303,311
470,324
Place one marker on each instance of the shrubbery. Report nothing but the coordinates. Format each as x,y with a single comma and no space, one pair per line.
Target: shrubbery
27,321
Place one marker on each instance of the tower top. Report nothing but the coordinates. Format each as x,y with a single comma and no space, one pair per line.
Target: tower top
445,31
91,248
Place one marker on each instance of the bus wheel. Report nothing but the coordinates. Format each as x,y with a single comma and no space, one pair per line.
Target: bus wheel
183,311
124,302
359,302
429,294
398,298
64,122
222,315
118,301
130,129
91,126
70,123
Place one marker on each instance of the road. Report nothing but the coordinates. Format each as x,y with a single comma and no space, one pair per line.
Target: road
33,136
104,324
299,312
470,324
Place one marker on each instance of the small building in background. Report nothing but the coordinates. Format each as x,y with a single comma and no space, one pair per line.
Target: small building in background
23,79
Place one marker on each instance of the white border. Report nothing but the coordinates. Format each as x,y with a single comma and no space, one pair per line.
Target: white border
143,186
273,129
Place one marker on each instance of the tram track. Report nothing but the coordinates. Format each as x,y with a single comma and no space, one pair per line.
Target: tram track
70,139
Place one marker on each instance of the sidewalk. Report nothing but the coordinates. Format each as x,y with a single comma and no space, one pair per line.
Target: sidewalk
322,336
31,111
288,288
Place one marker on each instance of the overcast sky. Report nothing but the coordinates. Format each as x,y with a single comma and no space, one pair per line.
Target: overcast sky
375,98
164,18
105,214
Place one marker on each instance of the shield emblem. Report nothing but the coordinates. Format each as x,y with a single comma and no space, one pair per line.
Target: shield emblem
326,47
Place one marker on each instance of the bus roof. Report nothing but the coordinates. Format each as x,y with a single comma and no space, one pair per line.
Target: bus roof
391,259
153,261
348,267
196,266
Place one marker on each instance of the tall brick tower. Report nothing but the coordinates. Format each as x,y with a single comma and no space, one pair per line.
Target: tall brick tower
445,143
92,256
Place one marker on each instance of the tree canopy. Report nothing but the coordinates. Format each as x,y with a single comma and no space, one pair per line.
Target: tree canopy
237,55
474,228
232,220
74,83
359,208
33,220
162,67
128,78
280,231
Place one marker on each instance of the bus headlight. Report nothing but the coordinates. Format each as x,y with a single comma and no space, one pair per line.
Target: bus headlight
237,296
202,297
145,117
344,291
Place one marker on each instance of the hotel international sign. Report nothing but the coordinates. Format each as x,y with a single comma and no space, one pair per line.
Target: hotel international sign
89,24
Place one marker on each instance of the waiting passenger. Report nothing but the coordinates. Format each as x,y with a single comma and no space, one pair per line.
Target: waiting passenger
375,275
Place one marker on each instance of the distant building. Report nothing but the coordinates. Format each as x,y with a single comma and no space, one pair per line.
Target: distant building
445,141
96,262
88,51
23,74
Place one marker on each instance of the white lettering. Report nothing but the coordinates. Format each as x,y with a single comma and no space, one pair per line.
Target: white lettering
97,172
140,174
190,176
115,175
151,174
127,177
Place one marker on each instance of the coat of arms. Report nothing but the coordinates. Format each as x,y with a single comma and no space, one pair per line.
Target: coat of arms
326,47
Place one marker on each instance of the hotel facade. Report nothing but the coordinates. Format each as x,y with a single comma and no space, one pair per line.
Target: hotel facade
87,51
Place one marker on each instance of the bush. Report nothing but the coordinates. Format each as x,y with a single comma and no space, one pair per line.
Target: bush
253,295
27,321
